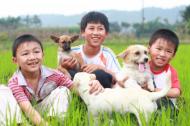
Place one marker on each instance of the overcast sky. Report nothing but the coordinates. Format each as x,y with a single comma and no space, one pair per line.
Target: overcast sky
69,7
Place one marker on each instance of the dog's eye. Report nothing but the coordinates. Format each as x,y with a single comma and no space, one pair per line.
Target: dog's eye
145,52
137,53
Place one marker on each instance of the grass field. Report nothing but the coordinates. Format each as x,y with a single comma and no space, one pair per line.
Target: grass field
77,115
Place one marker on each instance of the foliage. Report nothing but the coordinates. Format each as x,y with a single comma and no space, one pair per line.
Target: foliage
149,27
186,14
186,18
77,112
17,22
4,37
115,27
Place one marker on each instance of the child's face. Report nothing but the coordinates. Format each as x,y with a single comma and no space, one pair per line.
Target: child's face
29,57
94,34
161,52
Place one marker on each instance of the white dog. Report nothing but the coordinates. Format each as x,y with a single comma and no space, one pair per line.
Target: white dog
135,67
122,100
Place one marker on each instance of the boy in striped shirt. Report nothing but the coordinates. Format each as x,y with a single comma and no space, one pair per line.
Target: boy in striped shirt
35,84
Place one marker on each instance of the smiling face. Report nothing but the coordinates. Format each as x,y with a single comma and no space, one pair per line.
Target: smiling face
161,52
94,34
29,57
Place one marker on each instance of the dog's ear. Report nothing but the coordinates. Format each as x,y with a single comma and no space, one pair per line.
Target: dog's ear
76,82
54,38
123,54
93,76
74,38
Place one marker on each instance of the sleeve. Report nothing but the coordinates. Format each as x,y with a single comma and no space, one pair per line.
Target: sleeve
175,80
113,63
18,91
62,80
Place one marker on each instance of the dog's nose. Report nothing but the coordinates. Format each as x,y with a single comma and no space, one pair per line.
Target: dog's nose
145,60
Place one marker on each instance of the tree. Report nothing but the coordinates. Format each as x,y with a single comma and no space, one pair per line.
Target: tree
32,21
36,22
186,18
150,27
186,14
10,22
125,25
115,27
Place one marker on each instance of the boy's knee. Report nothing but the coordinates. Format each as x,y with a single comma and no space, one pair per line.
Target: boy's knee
104,78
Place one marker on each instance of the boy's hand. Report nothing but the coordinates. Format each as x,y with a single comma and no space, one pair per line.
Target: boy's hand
157,89
95,87
89,68
69,63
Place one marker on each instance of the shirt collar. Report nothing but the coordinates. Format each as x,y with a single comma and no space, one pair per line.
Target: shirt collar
165,68
45,72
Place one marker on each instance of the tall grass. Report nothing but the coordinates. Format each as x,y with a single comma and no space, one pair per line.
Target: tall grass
77,112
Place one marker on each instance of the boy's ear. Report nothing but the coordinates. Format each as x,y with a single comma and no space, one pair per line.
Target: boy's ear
107,33
148,49
42,54
173,55
14,60
82,34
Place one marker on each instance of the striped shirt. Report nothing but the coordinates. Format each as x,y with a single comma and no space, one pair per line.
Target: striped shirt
49,80
105,58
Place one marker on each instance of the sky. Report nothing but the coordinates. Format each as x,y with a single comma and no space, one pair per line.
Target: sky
70,7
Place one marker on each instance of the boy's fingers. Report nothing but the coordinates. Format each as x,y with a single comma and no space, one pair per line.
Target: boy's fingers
96,87
93,87
86,69
83,66
100,89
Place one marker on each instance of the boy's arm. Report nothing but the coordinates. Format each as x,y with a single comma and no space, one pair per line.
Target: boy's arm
31,113
173,93
95,87
175,90
69,63
89,68
62,80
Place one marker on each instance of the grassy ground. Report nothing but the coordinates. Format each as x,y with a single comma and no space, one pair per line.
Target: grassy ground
77,113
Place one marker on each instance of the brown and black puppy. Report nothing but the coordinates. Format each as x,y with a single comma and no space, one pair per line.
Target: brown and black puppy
65,52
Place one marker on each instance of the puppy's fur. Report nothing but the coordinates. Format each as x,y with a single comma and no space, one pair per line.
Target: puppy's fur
135,67
122,100
64,51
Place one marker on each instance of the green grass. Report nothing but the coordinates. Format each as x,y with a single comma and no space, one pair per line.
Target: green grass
77,112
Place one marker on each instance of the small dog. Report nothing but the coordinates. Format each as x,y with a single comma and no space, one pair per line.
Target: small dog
122,100
64,52
135,67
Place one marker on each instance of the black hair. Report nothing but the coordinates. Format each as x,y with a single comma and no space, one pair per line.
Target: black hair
166,34
94,17
22,39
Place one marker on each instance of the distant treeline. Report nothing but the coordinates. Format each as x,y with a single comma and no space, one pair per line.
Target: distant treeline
14,26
